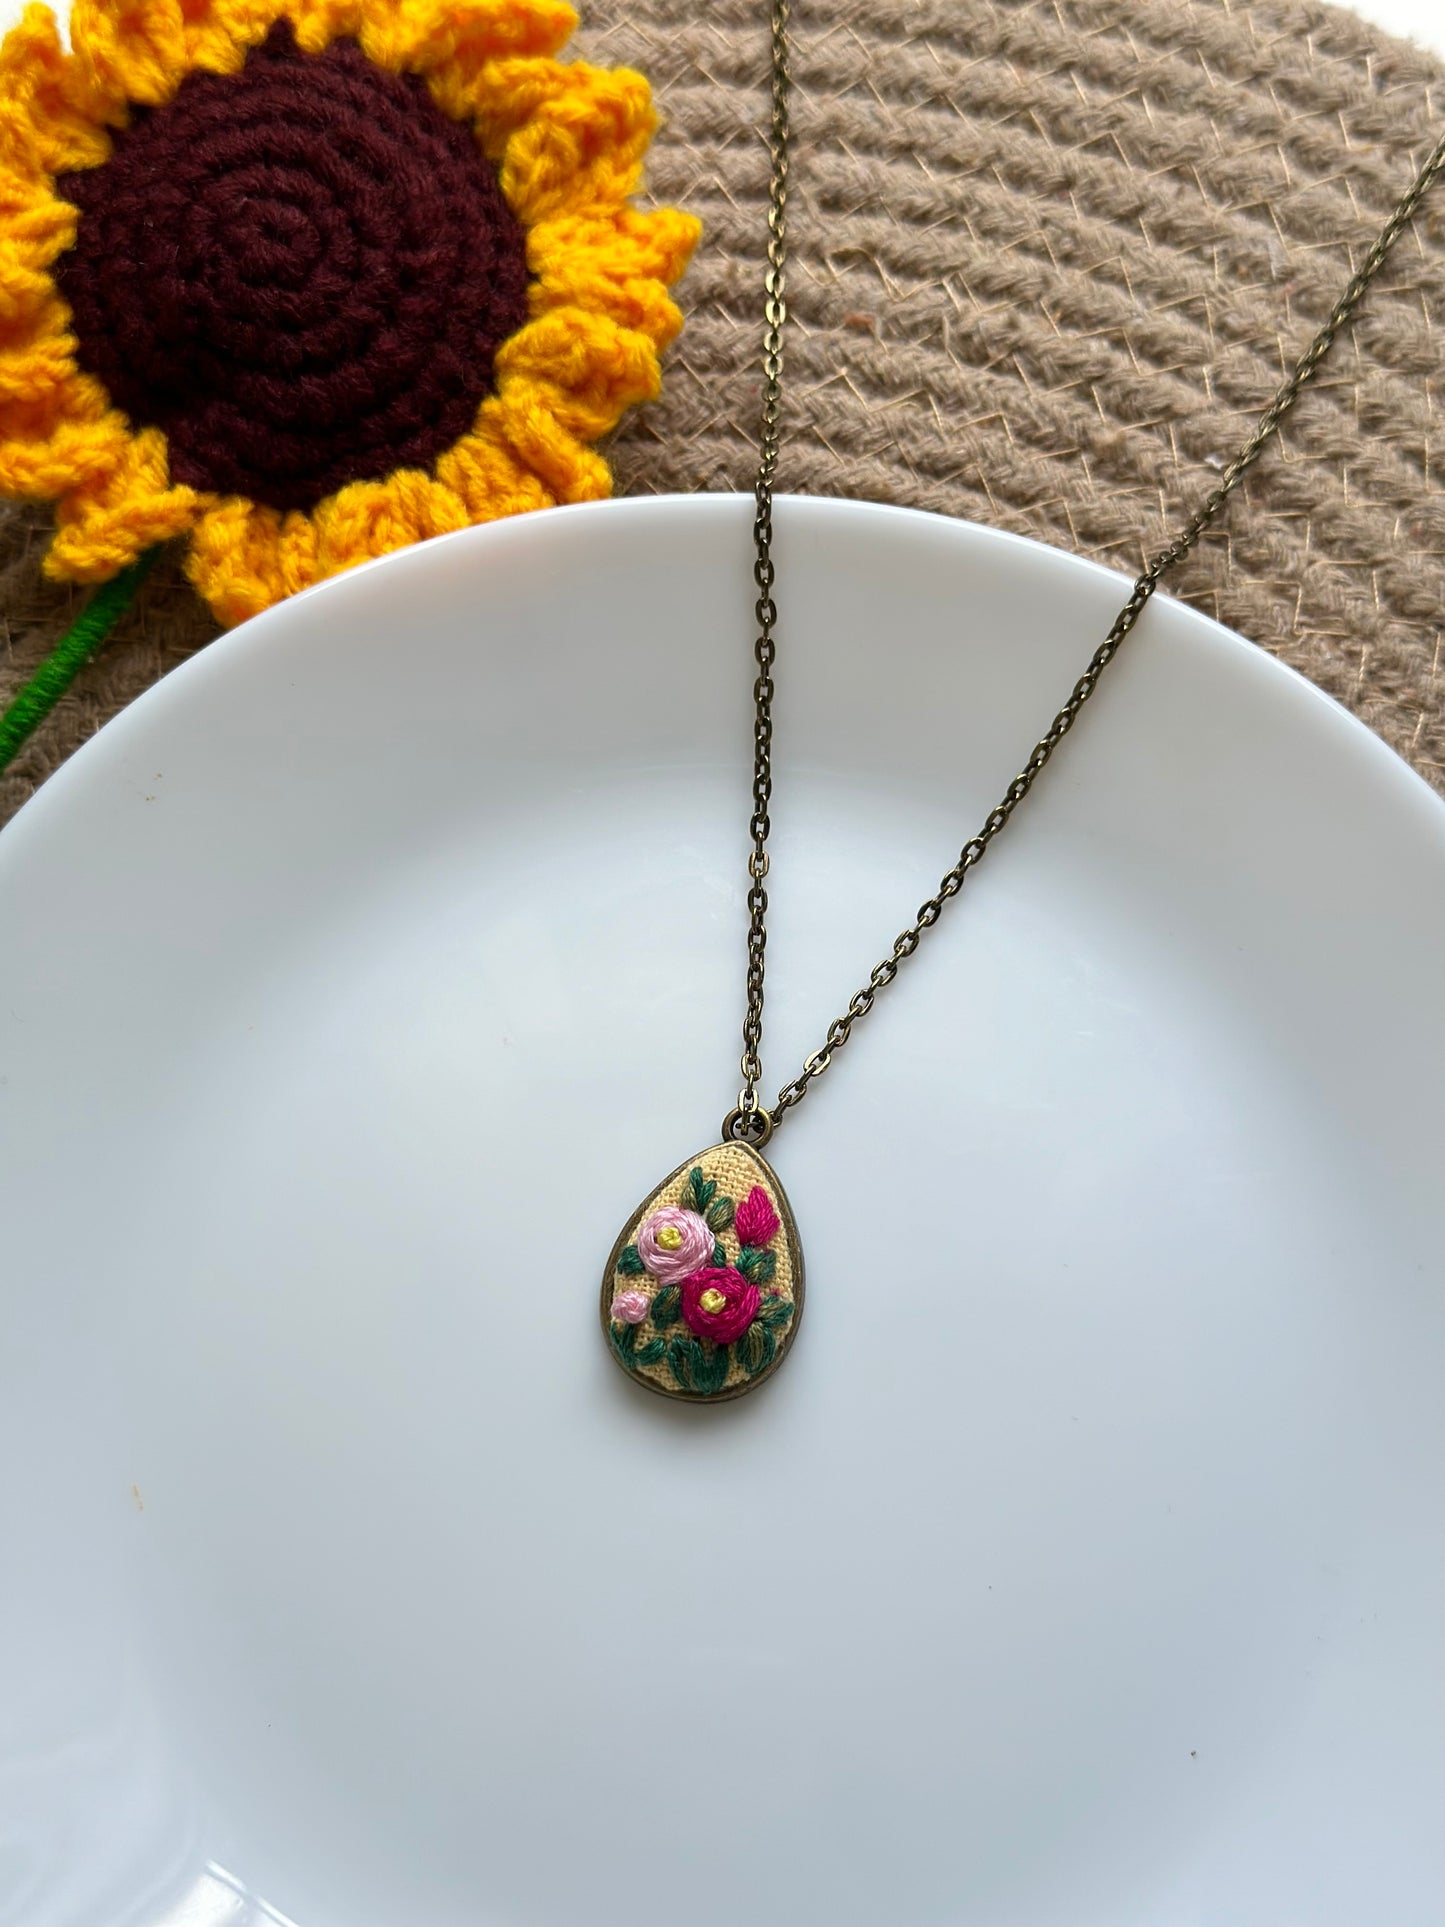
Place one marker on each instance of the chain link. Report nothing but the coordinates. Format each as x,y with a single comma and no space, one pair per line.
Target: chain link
750,1123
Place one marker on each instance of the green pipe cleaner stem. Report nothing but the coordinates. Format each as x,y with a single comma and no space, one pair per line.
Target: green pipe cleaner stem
34,700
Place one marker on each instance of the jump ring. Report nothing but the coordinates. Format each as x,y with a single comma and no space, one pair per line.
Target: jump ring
752,1128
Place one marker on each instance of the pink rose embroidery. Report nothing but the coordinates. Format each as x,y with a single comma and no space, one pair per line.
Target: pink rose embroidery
630,1307
756,1220
672,1242
719,1303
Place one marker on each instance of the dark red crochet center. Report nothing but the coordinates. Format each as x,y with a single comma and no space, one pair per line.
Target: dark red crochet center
301,272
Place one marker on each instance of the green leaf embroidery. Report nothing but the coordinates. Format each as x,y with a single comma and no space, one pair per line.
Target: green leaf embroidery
716,1359
719,1256
666,1307
651,1352
776,1311
698,1192
757,1265
624,1341
719,1214
756,1349
698,1367
630,1263
684,1361
750,1348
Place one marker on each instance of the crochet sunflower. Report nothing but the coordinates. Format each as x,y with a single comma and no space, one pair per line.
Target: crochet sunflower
303,281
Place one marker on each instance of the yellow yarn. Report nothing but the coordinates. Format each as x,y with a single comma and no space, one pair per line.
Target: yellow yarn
568,141
100,530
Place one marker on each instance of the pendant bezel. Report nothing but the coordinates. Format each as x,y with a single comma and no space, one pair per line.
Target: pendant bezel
789,1229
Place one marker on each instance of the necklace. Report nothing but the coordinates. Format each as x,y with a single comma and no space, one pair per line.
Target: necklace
703,1291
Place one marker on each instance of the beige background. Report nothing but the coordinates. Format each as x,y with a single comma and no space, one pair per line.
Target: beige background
1050,260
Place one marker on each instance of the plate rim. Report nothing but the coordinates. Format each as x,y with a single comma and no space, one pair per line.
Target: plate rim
1243,658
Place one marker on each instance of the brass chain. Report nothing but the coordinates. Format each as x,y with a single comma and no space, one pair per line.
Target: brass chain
750,1123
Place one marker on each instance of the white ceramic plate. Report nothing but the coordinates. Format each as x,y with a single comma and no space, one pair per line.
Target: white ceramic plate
1082,1566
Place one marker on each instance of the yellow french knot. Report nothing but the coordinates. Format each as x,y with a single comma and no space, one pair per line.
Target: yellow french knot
670,1238
712,1299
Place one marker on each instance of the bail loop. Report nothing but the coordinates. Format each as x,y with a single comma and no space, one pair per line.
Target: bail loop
752,1128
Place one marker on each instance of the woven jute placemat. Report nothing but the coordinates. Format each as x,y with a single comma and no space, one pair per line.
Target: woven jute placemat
1050,259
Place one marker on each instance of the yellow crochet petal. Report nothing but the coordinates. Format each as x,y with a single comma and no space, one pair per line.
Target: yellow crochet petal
524,415
83,401
33,226
626,241
129,51
499,95
39,380
588,366
45,453
616,264
318,22
581,146
368,519
244,557
103,526
505,95
389,34
39,373
484,472
218,34
34,321
24,293
425,36
60,438
45,112
641,304
444,36
20,190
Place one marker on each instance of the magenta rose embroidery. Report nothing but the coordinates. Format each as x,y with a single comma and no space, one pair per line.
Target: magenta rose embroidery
719,1303
672,1242
756,1220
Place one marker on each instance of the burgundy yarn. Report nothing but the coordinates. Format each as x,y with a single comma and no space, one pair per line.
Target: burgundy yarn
301,272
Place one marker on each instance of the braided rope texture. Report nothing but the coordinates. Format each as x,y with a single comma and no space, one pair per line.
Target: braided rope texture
1051,258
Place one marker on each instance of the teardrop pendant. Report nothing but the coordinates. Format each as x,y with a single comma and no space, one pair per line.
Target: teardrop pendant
703,1291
